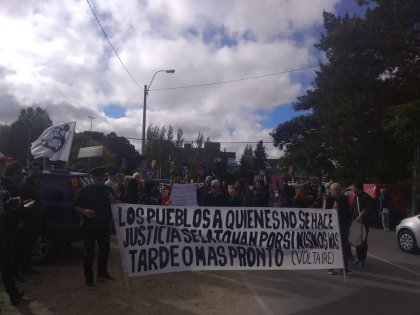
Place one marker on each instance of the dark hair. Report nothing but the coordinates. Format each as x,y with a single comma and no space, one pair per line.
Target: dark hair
36,164
148,186
358,184
12,168
260,181
132,185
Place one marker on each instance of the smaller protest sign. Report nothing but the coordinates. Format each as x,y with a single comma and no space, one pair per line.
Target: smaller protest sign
183,195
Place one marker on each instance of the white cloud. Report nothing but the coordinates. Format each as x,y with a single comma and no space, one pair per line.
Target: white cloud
54,53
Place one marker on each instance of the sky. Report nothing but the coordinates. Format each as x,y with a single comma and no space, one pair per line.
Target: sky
54,54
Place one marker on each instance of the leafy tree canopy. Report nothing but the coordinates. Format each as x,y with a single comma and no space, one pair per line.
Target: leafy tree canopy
373,65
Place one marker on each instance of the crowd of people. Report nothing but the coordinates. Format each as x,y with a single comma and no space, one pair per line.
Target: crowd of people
21,209
215,193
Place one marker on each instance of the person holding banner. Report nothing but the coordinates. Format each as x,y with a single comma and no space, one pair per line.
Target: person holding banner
260,194
93,203
336,200
216,197
204,190
362,208
237,197
131,193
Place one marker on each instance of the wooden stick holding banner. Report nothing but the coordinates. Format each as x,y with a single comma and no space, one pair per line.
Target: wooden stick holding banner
124,267
342,249
339,233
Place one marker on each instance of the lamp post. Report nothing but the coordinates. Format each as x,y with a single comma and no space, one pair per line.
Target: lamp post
146,90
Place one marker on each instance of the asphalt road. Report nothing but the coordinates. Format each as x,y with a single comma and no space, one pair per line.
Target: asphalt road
389,284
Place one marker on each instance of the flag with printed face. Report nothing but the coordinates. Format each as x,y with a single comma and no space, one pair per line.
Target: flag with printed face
55,142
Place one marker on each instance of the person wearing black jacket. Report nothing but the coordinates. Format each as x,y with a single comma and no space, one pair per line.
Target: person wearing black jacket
363,209
131,193
216,197
31,191
10,211
203,191
93,203
336,200
260,194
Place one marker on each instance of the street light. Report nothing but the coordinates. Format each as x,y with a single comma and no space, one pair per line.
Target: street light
146,90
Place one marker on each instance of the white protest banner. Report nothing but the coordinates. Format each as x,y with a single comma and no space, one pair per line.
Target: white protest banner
156,239
55,142
183,194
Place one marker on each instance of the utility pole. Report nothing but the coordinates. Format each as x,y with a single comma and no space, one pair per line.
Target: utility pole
90,137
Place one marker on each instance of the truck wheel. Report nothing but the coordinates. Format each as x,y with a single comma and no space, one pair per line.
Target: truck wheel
45,248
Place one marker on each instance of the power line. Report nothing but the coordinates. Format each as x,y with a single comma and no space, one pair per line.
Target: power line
196,85
237,80
109,41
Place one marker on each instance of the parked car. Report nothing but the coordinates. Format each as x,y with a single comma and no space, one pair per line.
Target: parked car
61,224
408,234
396,193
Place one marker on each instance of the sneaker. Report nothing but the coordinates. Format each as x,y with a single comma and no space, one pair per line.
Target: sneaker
105,277
348,271
90,285
19,278
331,272
355,262
30,271
360,264
16,297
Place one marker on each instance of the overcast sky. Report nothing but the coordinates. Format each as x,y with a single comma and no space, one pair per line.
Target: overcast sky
54,54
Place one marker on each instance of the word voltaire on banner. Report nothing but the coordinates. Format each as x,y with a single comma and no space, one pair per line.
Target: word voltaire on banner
160,239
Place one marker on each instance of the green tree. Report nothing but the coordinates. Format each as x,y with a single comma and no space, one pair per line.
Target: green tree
5,134
199,140
83,139
179,139
160,147
403,121
127,158
260,156
246,164
31,122
372,65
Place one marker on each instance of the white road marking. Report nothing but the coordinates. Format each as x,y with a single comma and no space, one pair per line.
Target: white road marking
140,302
121,302
266,310
395,265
